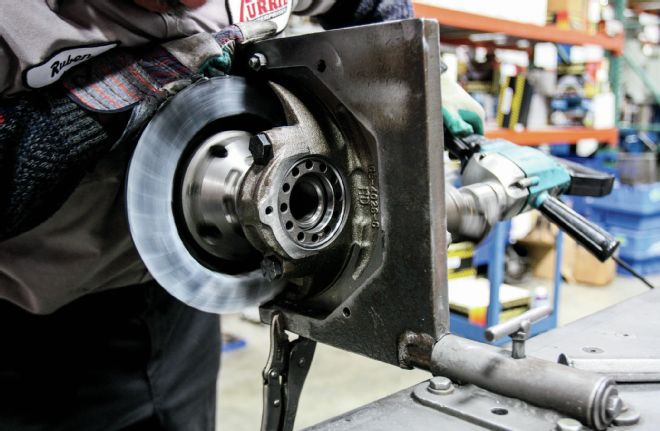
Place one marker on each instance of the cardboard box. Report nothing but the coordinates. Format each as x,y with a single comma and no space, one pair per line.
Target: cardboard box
577,266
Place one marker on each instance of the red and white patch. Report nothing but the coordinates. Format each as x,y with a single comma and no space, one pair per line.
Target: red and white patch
277,11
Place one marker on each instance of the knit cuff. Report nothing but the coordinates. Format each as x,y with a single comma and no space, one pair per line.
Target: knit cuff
58,144
359,12
76,126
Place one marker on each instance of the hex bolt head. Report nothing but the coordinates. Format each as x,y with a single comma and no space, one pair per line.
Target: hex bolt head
614,406
257,62
271,268
440,385
568,424
261,149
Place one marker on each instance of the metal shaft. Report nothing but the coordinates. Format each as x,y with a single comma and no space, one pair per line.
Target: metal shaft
588,397
512,325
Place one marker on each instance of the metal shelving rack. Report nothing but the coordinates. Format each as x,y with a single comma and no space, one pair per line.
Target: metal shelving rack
456,25
461,325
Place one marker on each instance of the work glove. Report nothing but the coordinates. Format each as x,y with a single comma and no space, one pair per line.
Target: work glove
50,138
462,115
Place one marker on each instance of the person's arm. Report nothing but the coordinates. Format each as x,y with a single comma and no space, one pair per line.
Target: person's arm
47,144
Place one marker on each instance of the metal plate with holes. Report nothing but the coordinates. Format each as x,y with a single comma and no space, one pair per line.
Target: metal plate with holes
465,408
383,81
480,407
312,202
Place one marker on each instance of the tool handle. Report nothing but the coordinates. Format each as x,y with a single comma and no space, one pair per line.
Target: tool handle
588,234
512,325
586,181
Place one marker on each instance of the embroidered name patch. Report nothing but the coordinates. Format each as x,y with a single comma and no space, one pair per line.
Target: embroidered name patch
49,71
277,11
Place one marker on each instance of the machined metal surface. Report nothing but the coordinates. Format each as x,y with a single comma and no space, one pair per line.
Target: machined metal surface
312,202
210,191
588,397
379,86
492,191
296,204
154,192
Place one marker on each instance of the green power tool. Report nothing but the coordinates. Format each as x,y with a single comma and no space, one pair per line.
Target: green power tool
501,180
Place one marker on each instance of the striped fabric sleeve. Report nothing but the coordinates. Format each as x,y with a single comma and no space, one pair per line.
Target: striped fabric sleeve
117,81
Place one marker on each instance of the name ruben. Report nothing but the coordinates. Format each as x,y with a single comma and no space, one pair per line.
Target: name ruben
53,67
57,66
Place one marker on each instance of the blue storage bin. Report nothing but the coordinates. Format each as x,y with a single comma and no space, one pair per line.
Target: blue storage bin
637,244
634,207
604,161
644,267
561,150
482,252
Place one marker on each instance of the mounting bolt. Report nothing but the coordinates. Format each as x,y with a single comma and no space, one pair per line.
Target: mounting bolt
614,406
568,424
261,149
257,62
440,385
271,267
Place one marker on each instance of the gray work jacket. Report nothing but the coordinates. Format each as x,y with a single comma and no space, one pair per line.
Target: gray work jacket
85,246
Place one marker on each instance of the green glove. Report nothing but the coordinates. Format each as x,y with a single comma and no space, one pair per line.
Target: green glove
461,114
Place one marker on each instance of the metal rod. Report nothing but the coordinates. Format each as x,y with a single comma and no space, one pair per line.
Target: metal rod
512,325
588,397
620,369
631,270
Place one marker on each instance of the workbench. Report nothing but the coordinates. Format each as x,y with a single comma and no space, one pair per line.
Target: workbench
626,331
